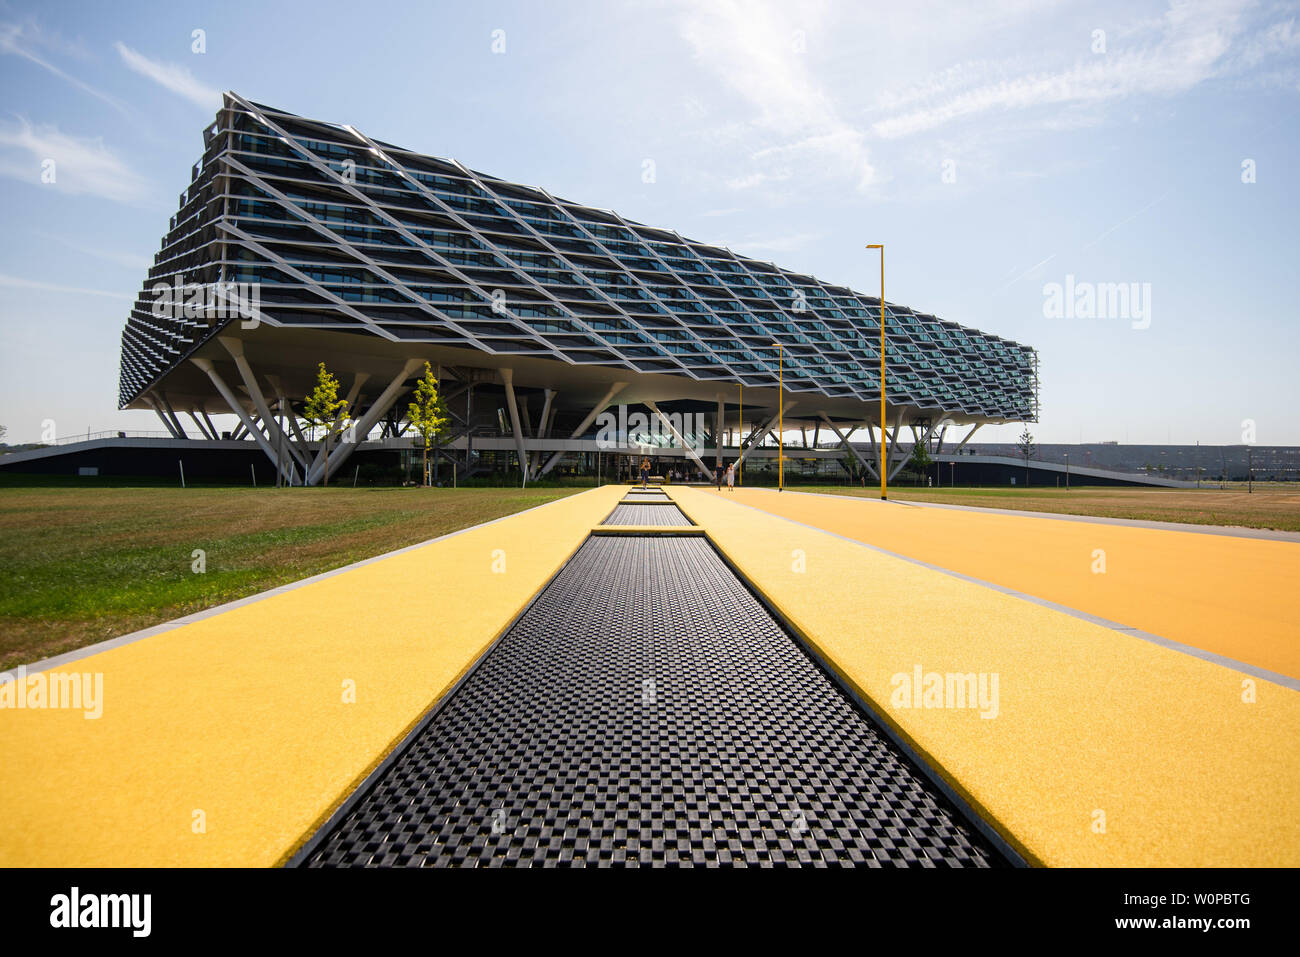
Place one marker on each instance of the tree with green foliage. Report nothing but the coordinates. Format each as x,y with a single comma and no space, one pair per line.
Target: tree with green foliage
1027,448
323,407
427,414
921,458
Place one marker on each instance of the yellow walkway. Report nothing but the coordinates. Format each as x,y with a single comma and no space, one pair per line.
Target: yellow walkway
238,722
1234,597
1105,750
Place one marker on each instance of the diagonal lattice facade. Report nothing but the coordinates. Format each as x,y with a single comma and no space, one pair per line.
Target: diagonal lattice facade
343,233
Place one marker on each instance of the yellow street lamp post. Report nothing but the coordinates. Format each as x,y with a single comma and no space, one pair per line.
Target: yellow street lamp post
740,438
884,492
780,418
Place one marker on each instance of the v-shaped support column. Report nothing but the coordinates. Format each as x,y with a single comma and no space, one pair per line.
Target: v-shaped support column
277,437
668,423
236,406
599,407
764,430
845,442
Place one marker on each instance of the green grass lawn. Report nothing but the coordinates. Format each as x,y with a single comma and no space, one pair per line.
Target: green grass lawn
81,564
1273,505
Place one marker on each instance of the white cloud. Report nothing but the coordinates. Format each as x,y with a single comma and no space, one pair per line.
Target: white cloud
82,166
1279,39
879,93
750,180
772,244
22,40
759,54
16,282
1190,48
136,262
176,78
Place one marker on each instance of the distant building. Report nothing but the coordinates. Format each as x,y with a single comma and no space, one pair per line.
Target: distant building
1265,462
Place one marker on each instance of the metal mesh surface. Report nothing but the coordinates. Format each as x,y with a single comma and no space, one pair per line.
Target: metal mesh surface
646,710
647,515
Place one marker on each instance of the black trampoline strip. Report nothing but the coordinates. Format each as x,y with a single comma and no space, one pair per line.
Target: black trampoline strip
625,514
646,710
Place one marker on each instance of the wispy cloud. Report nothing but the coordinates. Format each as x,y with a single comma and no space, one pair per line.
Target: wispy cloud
772,244
24,40
1128,219
1190,46
1028,272
1278,39
759,54
17,282
136,262
750,180
171,76
82,166
794,97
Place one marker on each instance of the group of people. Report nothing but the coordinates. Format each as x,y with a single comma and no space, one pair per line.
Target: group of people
719,475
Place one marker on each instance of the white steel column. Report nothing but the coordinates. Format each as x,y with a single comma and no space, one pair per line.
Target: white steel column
236,349
543,430
292,419
235,406
171,414
893,438
717,428
216,434
199,423
153,401
508,376
764,431
680,438
973,430
596,409
875,447
845,442
921,438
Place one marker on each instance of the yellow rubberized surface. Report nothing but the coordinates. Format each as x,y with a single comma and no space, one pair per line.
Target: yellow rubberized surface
1106,750
1232,596
242,717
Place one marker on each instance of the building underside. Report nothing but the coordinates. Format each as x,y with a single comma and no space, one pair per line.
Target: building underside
324,246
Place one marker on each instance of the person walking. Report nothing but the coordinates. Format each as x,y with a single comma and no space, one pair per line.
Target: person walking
717,476
731,477
645,472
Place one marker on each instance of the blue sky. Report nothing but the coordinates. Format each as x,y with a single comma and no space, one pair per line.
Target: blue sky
995,148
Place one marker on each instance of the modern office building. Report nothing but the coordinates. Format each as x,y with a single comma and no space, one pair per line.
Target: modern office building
299,242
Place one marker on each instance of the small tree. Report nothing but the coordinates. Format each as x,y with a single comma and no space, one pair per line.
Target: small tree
324,408
3,431
1026,446
921,458
426,413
